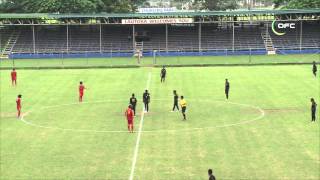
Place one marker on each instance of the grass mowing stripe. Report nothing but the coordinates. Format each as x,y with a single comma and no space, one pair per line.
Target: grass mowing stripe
136,149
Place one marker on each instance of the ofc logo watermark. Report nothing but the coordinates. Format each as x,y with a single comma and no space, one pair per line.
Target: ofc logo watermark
280,27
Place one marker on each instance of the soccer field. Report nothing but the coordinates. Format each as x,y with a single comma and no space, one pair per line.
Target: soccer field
160,60
263,131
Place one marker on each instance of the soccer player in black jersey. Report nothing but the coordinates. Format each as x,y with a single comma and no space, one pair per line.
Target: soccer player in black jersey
133,102
227,88
313,110
175,100
163,74
211,176
314,69
146,100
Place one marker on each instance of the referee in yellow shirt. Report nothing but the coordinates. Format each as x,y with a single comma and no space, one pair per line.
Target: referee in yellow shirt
183,104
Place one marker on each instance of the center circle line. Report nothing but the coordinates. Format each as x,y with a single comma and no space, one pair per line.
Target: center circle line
262,114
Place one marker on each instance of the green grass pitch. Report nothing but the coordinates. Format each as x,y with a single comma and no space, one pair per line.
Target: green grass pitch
262,132
161,60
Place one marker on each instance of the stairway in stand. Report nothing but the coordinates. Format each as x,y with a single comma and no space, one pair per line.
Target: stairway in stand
10,44
139,46
267,41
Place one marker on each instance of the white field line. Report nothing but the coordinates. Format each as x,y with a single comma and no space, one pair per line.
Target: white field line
136,150
68,129
262,114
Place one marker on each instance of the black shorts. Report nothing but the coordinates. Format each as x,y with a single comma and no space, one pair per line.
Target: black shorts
184,109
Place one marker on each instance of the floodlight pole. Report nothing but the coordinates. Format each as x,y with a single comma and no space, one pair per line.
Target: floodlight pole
100,27
33,40
68,38
300,35
199,37
233,37
166,37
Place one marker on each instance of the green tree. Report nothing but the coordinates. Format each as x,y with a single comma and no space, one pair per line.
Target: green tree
297,4
217,5
69,6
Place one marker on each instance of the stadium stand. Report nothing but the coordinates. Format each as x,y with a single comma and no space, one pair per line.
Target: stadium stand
180,38
4,36
291,40
245,38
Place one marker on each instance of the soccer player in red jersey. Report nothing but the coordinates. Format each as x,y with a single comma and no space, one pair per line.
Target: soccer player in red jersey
129,113
14,77
81,91
18,101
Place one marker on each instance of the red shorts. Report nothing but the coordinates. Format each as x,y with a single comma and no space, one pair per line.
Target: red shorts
19,108
80,94
13,79
130,121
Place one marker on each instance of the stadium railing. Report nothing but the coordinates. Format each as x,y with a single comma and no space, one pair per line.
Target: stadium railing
183,51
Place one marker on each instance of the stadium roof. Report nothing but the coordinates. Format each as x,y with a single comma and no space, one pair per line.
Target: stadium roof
11,19
148,15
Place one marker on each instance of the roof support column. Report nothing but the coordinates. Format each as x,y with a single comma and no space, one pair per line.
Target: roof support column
67,38
133,37
200,37
0,44
233,37
166,37
300,35
100,38
33,40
